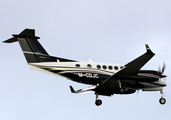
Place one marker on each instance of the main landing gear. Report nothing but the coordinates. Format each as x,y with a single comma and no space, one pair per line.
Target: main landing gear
98,102
162,100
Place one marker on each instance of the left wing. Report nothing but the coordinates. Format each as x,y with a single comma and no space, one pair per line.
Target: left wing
134,66
130,69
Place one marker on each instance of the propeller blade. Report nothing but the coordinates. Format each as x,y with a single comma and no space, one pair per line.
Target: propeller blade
137,96
159,69
163,69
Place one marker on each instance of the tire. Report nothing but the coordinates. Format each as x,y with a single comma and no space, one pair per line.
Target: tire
98,102
162,101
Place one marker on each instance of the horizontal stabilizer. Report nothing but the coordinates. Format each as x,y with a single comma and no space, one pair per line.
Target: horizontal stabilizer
72,89
29,33
82,90
11,40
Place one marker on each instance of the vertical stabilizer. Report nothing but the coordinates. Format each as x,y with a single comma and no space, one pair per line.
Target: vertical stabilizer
32,49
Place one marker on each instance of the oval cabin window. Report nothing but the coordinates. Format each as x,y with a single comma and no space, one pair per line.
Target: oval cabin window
98,66
77,65
104,67
110,67
116,68
89,66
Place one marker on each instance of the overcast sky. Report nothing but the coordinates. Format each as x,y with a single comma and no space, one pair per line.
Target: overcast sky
107,31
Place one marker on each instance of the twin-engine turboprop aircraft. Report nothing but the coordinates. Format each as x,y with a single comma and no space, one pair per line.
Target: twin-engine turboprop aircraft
106,79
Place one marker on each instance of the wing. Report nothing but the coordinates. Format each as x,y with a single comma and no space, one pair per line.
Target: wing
134,66
130,69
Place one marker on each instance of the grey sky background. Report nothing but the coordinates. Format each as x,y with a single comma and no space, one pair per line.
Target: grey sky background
109,31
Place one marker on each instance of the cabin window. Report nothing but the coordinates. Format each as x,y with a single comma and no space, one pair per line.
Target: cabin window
110,67
89,66
77,65
104,67
98,66
116,67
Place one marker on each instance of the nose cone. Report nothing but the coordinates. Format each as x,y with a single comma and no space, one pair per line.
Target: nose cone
162,76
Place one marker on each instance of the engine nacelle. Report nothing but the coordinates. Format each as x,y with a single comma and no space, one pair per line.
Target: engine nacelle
153,89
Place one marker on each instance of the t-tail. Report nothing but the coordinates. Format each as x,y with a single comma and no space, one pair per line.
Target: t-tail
32,49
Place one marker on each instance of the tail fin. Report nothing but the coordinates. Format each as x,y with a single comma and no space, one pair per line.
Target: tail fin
32,49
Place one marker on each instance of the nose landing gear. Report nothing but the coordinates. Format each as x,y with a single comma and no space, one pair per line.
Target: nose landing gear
98,102
162,100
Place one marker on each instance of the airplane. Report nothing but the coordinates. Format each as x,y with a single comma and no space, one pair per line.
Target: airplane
105,79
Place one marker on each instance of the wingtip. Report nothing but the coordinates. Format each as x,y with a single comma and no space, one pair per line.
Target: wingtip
148,49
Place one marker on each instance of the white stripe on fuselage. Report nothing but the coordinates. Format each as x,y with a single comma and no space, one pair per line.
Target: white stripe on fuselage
71,67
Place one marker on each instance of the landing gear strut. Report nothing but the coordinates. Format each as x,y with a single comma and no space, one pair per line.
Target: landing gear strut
98,102
162,100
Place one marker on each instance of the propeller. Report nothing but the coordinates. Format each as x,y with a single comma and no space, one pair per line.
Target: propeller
162,70
137,96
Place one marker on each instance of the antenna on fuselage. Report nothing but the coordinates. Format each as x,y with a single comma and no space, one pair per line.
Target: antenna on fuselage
90,60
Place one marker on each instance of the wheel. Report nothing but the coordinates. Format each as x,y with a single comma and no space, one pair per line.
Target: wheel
98,102
162,101
121,90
